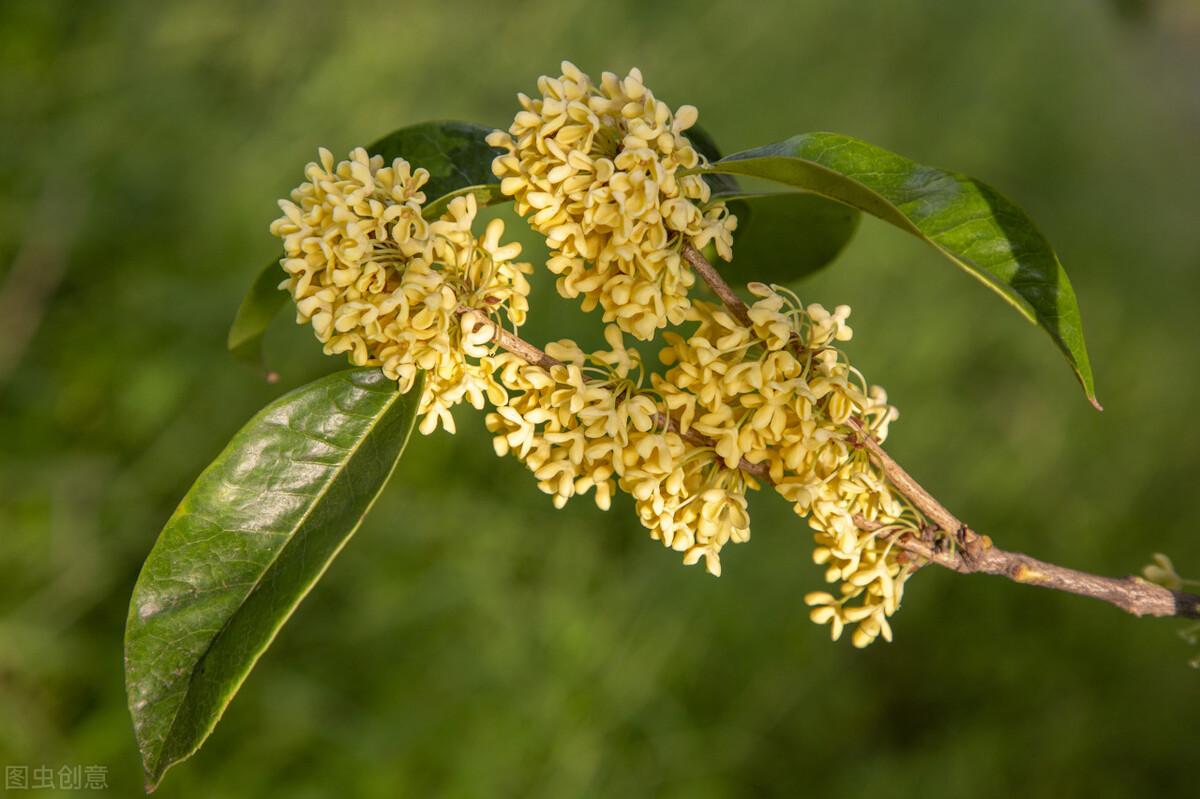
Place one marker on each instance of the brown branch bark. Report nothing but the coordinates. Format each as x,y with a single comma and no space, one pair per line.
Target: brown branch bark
1131,594
974,553
729,298
510,342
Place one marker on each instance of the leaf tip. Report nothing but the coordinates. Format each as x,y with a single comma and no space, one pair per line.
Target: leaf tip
150,781
1084,373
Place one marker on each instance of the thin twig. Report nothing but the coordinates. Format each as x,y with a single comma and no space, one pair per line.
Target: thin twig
1132,594
916,493
975,554
729,298
517,346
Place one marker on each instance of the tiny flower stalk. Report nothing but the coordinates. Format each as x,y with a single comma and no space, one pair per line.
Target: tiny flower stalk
749,396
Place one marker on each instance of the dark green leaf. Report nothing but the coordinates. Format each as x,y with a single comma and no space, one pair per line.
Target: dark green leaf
706,145
260,305
455,154
459,161
783,237
970,223
247,543
780,237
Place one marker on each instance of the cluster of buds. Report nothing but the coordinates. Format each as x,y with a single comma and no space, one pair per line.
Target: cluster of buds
597,169
764,396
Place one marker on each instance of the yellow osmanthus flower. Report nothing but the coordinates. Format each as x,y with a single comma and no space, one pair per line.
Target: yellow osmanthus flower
381,284
781,394
596,168
589,424
778,393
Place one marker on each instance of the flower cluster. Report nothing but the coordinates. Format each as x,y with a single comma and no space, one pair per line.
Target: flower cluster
779,394
379,282
597,171
765,396
590,423
775,396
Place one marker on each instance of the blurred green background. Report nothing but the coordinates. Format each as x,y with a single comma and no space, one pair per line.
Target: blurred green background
474,641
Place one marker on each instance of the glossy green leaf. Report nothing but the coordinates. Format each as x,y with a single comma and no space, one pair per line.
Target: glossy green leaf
247,543
782,236
786,236
970,223
459,161
455,154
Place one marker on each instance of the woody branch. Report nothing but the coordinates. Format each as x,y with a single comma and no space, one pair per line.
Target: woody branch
967,552
974,553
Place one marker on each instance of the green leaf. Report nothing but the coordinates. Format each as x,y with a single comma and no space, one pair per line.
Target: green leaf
970,223
260,305
488,194
706,145
247,543
455,154
786,236
459,161
781,237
